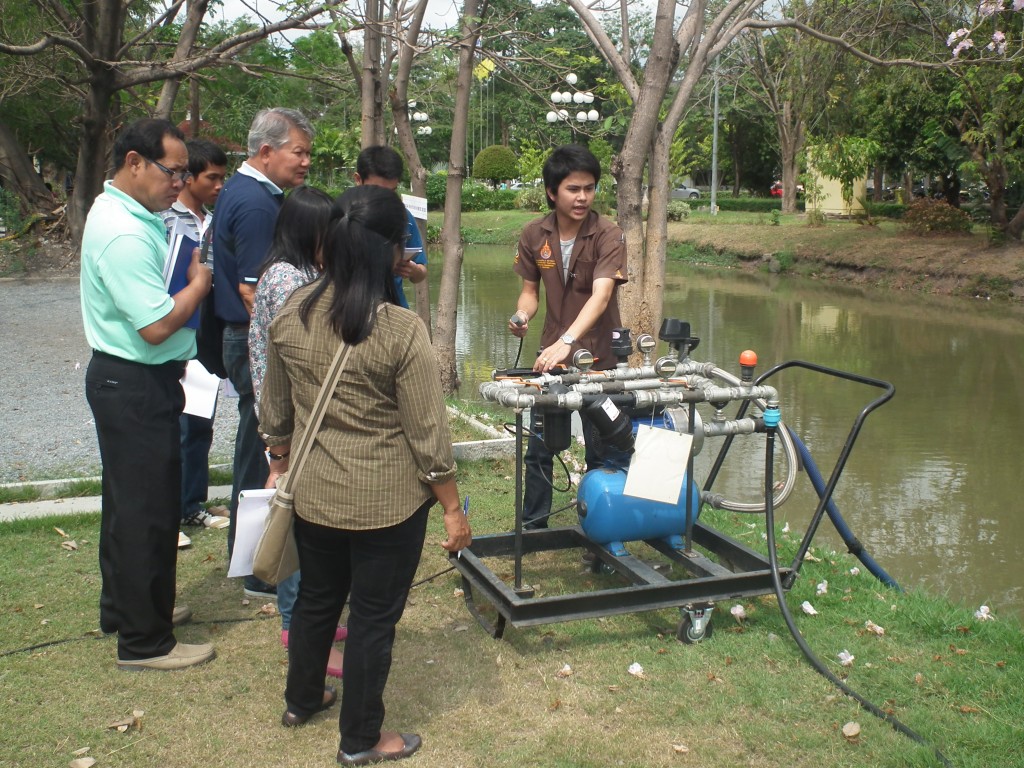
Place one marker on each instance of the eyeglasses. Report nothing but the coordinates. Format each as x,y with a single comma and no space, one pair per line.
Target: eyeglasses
181,176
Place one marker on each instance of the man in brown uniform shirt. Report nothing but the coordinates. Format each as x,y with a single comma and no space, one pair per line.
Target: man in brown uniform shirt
581,260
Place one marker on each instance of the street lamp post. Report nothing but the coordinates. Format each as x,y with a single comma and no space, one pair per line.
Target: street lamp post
578,99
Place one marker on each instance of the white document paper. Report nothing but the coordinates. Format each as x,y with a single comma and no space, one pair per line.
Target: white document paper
200,390
253,507
658,465
417,206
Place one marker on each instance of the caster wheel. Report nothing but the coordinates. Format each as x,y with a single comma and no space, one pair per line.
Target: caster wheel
687,634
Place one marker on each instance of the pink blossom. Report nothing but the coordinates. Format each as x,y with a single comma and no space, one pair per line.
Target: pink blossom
954,36
1018,5
962,46
988,7
998,43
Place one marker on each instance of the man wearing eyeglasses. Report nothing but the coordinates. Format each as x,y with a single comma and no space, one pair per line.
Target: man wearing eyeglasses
140,345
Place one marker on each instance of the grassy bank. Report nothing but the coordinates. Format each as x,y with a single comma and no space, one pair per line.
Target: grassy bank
555,695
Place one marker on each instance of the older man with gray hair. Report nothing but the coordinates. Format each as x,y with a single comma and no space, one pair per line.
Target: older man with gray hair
280,141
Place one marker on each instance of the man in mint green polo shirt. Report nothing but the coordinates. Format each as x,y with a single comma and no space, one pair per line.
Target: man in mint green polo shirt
140,345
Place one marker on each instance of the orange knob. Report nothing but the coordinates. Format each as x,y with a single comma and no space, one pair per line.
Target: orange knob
748,357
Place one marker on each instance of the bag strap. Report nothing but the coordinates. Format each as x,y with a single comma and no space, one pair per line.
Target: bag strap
316,416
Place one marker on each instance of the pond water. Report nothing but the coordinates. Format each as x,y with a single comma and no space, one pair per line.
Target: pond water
931,487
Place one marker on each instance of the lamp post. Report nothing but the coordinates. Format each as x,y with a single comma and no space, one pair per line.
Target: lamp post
420,117
565,101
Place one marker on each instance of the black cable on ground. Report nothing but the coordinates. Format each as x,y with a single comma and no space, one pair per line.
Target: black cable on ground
780,596
95,635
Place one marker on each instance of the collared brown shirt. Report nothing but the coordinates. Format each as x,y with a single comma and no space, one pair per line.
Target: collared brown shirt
599,251
384,437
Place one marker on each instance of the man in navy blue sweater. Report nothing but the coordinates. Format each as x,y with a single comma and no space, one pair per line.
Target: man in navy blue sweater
280,141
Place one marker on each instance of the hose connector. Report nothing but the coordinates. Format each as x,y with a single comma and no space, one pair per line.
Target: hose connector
772,417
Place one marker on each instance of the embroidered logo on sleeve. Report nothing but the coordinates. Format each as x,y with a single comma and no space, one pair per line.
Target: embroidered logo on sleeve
545,261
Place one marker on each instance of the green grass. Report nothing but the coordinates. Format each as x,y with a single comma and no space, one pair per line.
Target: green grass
745,697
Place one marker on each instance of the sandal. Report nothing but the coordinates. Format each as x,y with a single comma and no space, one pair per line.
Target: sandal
293,719
410,743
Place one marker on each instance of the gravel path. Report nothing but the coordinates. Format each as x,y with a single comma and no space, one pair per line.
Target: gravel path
46,426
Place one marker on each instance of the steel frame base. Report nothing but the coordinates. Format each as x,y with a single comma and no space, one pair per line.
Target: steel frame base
740,572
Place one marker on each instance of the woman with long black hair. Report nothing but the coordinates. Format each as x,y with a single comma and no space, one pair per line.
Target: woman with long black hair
381,460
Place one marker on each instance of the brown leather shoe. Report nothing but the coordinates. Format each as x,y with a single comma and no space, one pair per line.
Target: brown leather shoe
293,719
181,656
411,741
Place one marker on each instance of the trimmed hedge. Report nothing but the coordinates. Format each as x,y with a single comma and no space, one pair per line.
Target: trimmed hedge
475,196
886,210
748,204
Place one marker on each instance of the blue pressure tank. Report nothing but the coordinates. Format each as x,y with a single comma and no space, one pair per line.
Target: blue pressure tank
610,518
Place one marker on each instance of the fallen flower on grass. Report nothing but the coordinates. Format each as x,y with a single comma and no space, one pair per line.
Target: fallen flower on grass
69,545
738,613
851,731
855,571
785,528
565,671
60,532
82,762
807,608
636,671
811,558
845,658
870,626
984,614
822,588
681,749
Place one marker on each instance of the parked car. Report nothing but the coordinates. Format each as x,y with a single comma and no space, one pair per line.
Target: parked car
684,192
776,189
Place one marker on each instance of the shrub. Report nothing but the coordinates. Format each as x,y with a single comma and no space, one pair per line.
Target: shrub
928,215
437,188
495,163
775,217
749,204
677,210
532,199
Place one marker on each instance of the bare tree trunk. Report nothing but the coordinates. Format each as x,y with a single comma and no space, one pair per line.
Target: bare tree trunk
187,40
448,296
19,176
1015,227
372,87
791,141
399,97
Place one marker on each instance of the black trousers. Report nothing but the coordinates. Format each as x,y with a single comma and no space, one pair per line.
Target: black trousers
539,469
136,409
373,570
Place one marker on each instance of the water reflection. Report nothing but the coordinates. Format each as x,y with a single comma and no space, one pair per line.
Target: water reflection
931,487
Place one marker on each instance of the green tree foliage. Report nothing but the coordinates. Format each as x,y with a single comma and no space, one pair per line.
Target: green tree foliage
495,163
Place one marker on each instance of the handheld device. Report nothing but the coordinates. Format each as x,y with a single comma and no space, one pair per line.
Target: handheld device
204,251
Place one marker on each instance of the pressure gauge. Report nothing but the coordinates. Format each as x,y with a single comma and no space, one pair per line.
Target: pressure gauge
665,367
583,359
646,343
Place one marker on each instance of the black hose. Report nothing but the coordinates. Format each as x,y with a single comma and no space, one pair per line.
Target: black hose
816,663
852,543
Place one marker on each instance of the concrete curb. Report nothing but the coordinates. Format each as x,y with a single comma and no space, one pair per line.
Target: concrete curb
27,510
473,450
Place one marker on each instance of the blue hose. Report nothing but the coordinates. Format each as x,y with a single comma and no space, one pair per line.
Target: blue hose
852,542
